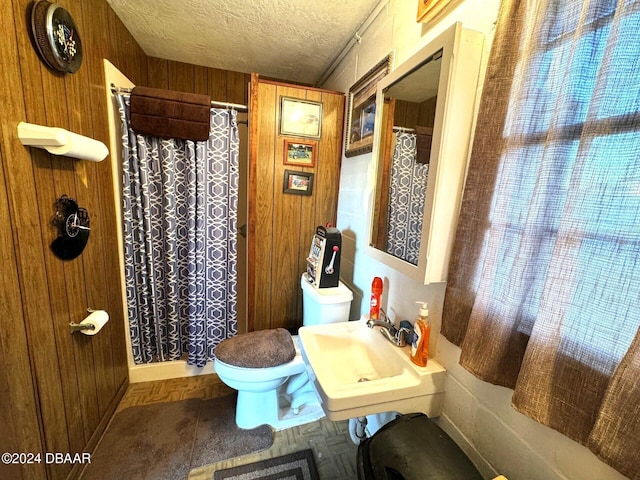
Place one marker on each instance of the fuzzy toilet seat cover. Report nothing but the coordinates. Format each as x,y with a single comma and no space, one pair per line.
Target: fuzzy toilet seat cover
260,349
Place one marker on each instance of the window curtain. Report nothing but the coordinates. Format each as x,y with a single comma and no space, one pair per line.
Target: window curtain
407,192
179,215
544,281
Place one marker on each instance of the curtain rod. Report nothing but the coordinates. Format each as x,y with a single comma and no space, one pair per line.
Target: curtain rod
237,106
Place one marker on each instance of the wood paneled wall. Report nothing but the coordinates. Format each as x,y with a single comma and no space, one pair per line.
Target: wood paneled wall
410,114
281,225
220,85
57,390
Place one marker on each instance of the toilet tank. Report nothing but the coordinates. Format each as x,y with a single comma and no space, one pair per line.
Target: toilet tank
324,305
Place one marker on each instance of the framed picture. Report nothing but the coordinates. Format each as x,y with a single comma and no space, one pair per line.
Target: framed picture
361,111
298,183
430,9
299,153
301,118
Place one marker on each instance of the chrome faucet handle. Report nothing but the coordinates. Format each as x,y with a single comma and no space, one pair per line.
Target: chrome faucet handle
388,335
401,340
395,336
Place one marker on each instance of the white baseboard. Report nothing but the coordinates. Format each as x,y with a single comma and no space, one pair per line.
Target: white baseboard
165,370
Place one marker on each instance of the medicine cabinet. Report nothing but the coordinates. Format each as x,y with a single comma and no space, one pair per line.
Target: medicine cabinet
424,118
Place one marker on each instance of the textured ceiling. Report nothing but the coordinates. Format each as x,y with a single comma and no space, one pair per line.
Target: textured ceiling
293,40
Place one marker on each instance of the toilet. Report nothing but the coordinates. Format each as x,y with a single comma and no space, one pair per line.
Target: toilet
267,369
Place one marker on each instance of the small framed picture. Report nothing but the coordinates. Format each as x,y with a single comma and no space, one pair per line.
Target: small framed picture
298,183
298,153
301,118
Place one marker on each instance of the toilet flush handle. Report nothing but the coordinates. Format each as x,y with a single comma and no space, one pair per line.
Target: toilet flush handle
329,268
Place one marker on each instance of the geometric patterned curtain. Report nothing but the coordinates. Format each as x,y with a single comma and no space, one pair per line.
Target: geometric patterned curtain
180,202
407,191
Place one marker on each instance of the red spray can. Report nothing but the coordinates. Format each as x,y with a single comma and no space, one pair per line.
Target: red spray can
376,295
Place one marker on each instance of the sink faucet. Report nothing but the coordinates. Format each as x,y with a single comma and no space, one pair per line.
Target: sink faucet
384,322
388,330
379,323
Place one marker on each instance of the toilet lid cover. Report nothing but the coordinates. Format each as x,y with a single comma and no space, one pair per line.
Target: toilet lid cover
260,349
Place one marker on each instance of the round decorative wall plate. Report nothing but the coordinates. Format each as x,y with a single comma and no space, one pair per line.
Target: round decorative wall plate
56,36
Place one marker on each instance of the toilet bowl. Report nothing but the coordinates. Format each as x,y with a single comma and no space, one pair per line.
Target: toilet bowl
279,393
278,396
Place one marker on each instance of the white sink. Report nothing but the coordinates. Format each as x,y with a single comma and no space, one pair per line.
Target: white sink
357,372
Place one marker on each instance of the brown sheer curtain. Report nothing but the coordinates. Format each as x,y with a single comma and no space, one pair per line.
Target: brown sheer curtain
544,281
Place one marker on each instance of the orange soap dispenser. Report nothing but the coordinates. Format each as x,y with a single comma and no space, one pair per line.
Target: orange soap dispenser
421,334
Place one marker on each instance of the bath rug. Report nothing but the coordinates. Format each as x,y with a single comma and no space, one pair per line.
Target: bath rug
299,466
161,441
218,437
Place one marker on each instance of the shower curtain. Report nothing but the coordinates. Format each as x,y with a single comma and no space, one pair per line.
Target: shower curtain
179,216
407,190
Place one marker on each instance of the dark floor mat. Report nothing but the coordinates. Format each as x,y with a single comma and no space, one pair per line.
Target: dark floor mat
159,441
218,437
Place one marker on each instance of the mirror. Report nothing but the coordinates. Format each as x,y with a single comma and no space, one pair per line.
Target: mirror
409,107
424,115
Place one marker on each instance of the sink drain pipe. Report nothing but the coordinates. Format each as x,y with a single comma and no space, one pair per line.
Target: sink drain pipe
358,429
